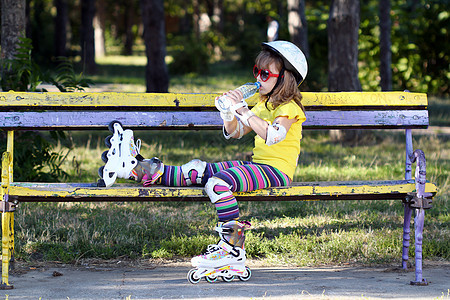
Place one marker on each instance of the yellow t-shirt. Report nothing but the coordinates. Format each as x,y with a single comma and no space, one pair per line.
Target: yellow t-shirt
283,155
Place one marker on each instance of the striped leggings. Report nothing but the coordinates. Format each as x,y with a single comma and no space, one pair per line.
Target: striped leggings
240,176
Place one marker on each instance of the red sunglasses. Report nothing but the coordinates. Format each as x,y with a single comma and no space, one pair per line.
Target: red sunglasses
264,73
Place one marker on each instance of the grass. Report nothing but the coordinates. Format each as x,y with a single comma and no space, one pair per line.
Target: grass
439,112
298,233
295,233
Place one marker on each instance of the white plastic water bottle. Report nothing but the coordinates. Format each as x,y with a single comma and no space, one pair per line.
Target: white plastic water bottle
247,90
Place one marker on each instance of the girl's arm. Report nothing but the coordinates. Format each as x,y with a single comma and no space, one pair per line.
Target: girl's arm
259,126
256,124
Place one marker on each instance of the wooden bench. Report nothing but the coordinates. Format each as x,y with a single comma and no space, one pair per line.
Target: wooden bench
88,111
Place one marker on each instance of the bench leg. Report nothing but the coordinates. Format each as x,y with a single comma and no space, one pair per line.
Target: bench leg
406,235
419,202
7,209
7,247
418,231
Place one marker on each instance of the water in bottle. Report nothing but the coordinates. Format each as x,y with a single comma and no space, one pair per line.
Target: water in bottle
247,90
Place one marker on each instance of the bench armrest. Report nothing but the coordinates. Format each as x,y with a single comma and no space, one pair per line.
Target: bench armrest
419,199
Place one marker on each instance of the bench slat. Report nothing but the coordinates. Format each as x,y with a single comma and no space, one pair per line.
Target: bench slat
142,119
74,192
174,100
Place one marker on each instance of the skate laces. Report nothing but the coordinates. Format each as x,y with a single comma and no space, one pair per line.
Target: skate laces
211,249
135,147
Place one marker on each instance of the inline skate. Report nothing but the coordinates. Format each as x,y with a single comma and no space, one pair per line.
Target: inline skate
226,259
121,158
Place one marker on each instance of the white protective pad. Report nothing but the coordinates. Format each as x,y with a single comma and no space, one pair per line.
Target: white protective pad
239,129
223,104
244,117
209,188
275,134
197,165
227,116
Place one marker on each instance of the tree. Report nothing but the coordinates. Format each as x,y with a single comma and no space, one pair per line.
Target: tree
343,26
129,17
298,27
61,21
196,19
13,27
217,17
87,35
99,28
156,73
385,45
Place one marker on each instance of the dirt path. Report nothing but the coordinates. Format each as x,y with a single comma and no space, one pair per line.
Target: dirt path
145,280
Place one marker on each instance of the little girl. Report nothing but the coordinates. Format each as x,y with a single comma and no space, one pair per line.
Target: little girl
277,120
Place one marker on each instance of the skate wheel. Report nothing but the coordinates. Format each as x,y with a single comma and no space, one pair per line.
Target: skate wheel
191,278
101,183
100,171
108,141
111,125
105,156
228,278
247,274
211,279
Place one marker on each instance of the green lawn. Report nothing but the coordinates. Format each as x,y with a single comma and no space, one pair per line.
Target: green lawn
295,233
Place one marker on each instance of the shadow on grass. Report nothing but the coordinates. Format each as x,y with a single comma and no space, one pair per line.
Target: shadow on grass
120,74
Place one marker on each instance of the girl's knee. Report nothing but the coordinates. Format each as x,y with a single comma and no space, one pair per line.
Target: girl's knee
217,189
193,171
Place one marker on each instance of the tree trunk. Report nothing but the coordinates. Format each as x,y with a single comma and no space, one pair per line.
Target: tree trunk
99,28
88,35
128,22
196,19
61,21
27,19
156,73
298,27
13,27
343,26
99,36
186,21
385,45
218,15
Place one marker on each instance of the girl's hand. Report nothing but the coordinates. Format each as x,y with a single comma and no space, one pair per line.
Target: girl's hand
235,96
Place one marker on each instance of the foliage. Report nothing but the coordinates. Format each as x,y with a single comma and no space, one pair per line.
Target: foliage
21,73
34,159
40,29
248,44
317,16
421,57
66,80
369,48
420,61
189,56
